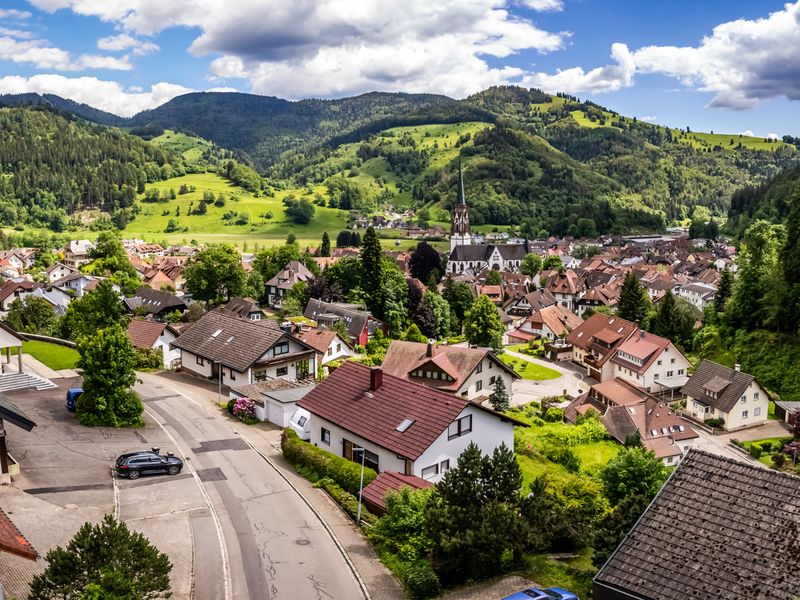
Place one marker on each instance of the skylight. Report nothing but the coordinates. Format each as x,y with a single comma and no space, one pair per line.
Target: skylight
405,425
216,333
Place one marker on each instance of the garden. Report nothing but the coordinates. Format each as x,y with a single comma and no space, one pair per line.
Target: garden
782,454
529,370
55,356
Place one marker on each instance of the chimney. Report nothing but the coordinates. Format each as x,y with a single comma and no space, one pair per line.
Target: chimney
375,378
737,367
429,349
641,333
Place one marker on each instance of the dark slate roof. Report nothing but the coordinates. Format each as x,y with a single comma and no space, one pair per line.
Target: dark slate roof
155,301
13,414
242,307
473,252
711,376
354,320
718,529
233,341
512,251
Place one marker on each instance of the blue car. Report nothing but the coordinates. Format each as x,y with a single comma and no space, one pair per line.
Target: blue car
72,398
543,594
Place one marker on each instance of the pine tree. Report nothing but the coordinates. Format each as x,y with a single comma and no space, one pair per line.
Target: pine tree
665,322
325,248
724,290
633,302
371,271
499,398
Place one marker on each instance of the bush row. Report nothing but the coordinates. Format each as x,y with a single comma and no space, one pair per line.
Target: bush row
347,501
343,472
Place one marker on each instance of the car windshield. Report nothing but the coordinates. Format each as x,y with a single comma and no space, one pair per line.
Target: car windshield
552,594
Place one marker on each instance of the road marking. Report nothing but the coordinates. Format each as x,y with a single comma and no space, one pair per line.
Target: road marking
226,568
116,494
305,500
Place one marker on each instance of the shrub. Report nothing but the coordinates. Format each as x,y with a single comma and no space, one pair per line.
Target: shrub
231,404
345,473
420,581
755,450
766,446
737,443
244,409
149,358
565,456
716,422
778,460
347,501
553,415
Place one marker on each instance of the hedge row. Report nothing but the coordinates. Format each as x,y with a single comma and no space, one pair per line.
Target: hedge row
343,472
347,501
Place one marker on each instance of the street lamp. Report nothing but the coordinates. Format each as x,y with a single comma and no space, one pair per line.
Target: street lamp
360,485
219,381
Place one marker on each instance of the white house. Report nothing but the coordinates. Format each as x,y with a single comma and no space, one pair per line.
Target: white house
275,399
715,391
57,271
155,335
77,253
471,373
238,351
650,362
699,294
330,346
400,425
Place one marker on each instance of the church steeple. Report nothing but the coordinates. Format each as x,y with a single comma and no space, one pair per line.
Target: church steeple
459,230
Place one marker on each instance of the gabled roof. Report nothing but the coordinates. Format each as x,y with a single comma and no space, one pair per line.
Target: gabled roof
12,540
242,306
645,346
143,334
10,286
292,273
556,318
319,339
354,320
612,330
13,414
346,400
719,528
154,301
404,357
235,342
712,377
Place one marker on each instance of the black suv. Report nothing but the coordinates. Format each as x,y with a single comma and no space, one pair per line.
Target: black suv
145,462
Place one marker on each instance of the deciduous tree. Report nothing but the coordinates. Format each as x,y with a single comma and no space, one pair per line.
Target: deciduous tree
482,325
633,472
96,310
424,261
531,264
216,274
31,314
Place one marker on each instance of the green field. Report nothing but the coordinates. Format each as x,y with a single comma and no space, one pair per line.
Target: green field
709,140
529,370
190,147
54,356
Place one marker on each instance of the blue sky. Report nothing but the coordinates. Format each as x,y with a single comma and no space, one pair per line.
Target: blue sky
727,66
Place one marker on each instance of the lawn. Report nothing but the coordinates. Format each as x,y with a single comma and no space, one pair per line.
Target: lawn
573,574
188,146
54,356
529,370
709,140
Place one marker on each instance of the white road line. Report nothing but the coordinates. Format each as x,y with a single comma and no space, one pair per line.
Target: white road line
116,494
305,500
217,525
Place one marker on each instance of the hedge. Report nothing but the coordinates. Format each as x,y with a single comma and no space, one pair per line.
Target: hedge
347,501
343,472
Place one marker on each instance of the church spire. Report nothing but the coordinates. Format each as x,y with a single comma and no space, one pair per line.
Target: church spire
461,199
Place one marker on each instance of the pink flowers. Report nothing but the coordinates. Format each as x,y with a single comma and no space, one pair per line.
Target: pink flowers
244,409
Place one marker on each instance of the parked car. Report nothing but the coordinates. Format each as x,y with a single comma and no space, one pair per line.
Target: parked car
543,594
72,398
147,462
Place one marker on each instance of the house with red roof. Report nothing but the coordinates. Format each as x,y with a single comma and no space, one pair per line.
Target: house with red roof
468,372
651,362
400,426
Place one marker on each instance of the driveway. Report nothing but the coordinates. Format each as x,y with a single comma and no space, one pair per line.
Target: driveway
231,525
573,381
720,444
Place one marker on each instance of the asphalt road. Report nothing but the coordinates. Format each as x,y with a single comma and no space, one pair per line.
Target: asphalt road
572,380
272,543
231,525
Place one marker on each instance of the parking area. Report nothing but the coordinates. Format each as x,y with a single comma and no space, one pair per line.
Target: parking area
69,467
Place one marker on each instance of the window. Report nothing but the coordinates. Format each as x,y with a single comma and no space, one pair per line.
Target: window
281,371
669,459
478,385
282,348
444,466
338,347
370,458
492,380
324,436
755,396
757,411
302,421
479,369
459,427
431,471
491,366
672,361
659,363
744,414
669,373
233,377
680,371
743,399
198,360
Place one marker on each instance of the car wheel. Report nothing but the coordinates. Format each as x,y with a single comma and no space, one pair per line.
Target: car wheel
134,474
173,470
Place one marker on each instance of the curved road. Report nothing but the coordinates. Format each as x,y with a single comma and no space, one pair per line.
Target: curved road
276,546
572,380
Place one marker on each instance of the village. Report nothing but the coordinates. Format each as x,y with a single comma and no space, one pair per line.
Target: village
286,382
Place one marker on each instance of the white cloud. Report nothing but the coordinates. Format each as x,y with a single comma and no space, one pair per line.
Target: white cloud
544,5
105,95
123,41
748,133
648,118
11,13
773,136
335,47
601,79
42,56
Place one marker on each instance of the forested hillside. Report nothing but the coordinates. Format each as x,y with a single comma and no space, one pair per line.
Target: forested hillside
52,166
769,201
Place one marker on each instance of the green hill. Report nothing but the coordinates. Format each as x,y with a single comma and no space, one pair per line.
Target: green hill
769,200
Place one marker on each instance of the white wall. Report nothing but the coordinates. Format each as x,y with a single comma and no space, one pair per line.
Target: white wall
387,461
332,354
488,432
163,342
755,398
489,370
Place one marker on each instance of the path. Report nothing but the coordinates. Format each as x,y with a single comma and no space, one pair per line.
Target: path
572,380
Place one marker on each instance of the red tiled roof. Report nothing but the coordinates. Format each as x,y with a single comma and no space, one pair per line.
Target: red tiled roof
645,346
388,481
12,540
345,399
143,334
318,339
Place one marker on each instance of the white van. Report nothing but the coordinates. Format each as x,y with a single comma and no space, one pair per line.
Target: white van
301,423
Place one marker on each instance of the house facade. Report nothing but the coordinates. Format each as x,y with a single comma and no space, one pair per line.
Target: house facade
651,362
715,391
156,336
699,294
360,324
470,373
401,426
328,344
293,273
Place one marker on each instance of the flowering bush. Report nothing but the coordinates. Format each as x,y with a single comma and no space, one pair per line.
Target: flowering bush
245,410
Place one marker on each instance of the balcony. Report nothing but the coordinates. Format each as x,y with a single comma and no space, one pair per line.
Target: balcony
593,360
